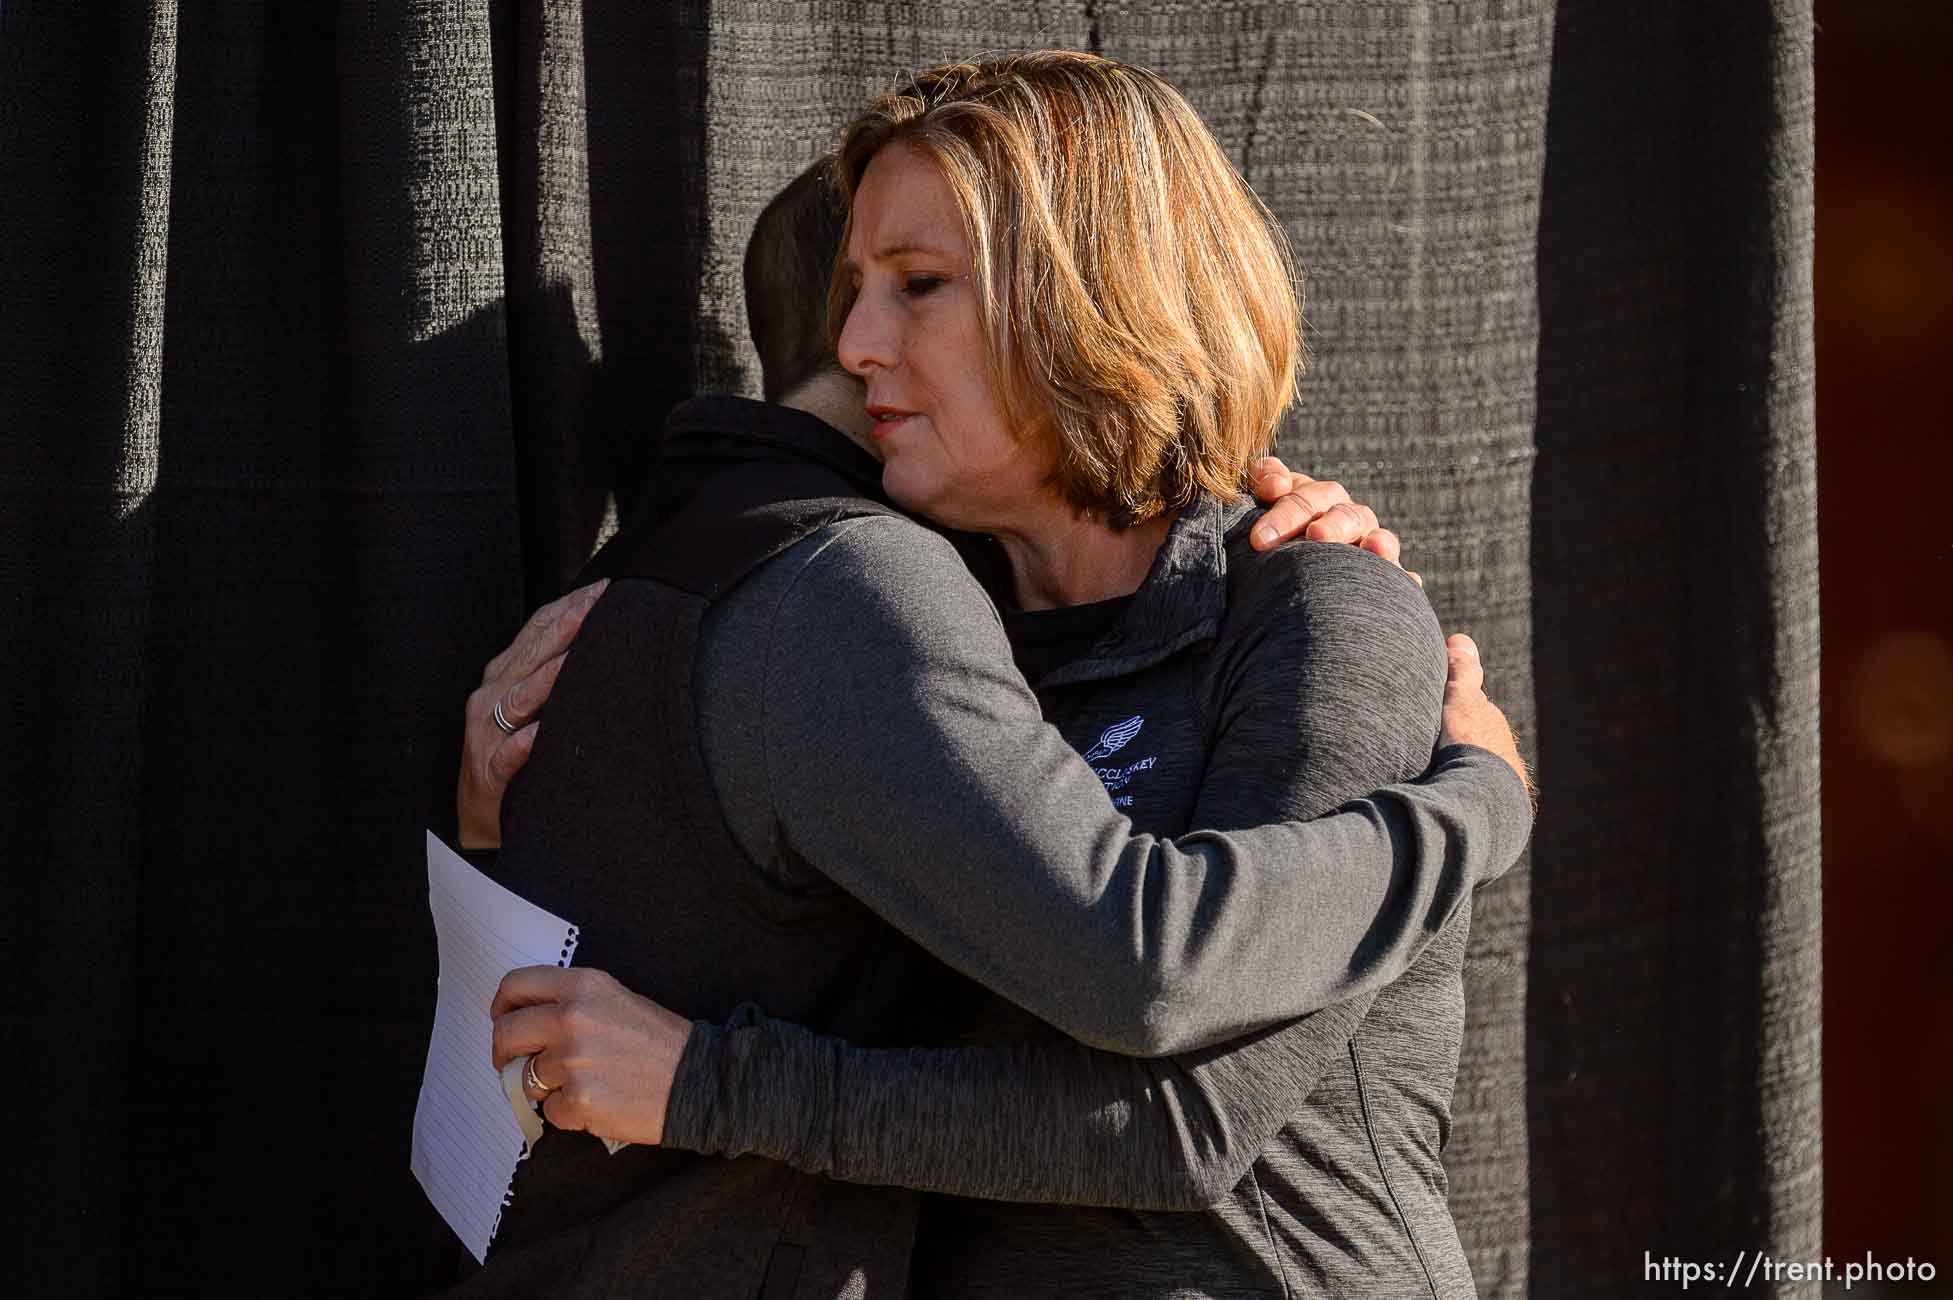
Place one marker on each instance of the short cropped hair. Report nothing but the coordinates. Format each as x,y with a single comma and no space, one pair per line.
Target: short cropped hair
1138,301
789,260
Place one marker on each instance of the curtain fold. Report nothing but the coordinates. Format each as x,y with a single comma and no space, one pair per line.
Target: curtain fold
333,338
259,490
1673,1090
85,215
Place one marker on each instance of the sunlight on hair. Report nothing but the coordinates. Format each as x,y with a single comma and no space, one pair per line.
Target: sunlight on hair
1138,300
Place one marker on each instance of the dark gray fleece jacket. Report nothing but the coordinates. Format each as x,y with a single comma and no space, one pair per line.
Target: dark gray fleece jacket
886,738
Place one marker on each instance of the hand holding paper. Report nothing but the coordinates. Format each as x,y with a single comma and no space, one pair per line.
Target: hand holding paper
606,1056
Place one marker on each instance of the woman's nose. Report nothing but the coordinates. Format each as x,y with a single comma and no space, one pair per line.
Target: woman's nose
866,341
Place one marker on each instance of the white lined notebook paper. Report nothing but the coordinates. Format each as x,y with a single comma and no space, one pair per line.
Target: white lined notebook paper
466,1142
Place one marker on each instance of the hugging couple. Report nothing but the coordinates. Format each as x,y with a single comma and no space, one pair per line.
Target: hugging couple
1008,861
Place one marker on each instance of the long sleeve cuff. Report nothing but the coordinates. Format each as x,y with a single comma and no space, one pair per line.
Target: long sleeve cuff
1509,813
785,1076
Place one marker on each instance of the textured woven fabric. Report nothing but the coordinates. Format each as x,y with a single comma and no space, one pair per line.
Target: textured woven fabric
332,337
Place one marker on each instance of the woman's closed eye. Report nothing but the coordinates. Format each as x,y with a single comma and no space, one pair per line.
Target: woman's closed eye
916,286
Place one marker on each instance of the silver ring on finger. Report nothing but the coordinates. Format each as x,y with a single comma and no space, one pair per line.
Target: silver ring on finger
529,1077
501,720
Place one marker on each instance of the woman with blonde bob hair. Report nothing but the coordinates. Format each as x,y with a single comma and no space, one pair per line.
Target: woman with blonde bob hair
1136,298
1077,326
1074,327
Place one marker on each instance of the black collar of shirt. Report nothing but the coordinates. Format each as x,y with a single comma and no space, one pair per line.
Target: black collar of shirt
739,428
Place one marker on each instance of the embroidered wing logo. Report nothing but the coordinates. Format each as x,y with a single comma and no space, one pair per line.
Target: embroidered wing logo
1115,738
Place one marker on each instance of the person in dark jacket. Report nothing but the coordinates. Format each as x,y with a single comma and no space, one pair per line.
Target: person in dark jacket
857,764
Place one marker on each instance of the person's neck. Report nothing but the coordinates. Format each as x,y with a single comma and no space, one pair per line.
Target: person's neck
1072,559
838,399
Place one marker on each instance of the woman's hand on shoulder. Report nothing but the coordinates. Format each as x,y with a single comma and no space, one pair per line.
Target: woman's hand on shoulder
1470,717
1317,511
517,681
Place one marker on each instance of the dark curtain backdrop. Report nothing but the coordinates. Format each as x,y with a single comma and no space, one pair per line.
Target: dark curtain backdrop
333,337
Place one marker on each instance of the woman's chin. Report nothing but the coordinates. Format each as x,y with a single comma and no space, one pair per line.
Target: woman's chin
913,492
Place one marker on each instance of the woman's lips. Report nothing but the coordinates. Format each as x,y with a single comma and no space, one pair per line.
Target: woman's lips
888,418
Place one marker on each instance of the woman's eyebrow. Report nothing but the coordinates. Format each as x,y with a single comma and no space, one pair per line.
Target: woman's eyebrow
891,251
